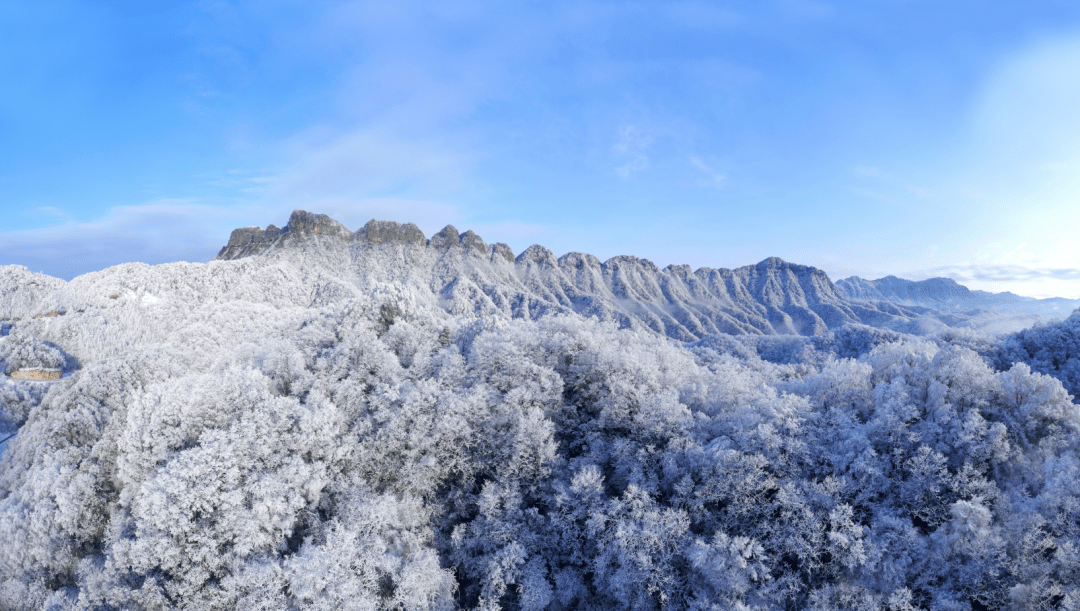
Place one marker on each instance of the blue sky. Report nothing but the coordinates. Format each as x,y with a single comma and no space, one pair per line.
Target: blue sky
876,137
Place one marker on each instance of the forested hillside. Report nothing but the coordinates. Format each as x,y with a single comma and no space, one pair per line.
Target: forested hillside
306,425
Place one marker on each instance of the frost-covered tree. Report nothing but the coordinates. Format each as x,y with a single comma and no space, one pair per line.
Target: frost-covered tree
1052,349
20,349
268,434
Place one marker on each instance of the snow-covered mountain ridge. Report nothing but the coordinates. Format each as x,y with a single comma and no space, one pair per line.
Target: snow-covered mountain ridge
467,274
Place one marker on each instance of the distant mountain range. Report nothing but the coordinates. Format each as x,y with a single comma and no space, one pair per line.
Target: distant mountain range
983,308
465,274
316,261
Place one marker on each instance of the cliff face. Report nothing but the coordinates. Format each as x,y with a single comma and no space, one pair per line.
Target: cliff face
462,273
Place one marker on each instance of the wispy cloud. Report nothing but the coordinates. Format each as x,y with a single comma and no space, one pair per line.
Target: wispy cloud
367,163
869,172
880,179
631,150
51,211
875,195
1005,273
156,232
242,181
714,178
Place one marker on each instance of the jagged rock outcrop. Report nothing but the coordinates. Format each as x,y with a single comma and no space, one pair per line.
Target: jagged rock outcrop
302,225
389,232
463,274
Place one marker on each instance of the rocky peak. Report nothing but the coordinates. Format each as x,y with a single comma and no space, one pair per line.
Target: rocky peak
247,241
776,264
446,238
537,255
306,223
579,260
680,271
629,262
240,240
470,240
389,232
501,252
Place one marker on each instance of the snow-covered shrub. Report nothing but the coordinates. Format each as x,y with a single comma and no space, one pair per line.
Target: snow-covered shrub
16,401
21,350
1052,349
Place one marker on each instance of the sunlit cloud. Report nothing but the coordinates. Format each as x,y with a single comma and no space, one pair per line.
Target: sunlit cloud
1024,148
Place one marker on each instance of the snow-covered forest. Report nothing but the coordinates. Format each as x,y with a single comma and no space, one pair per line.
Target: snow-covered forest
321,426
